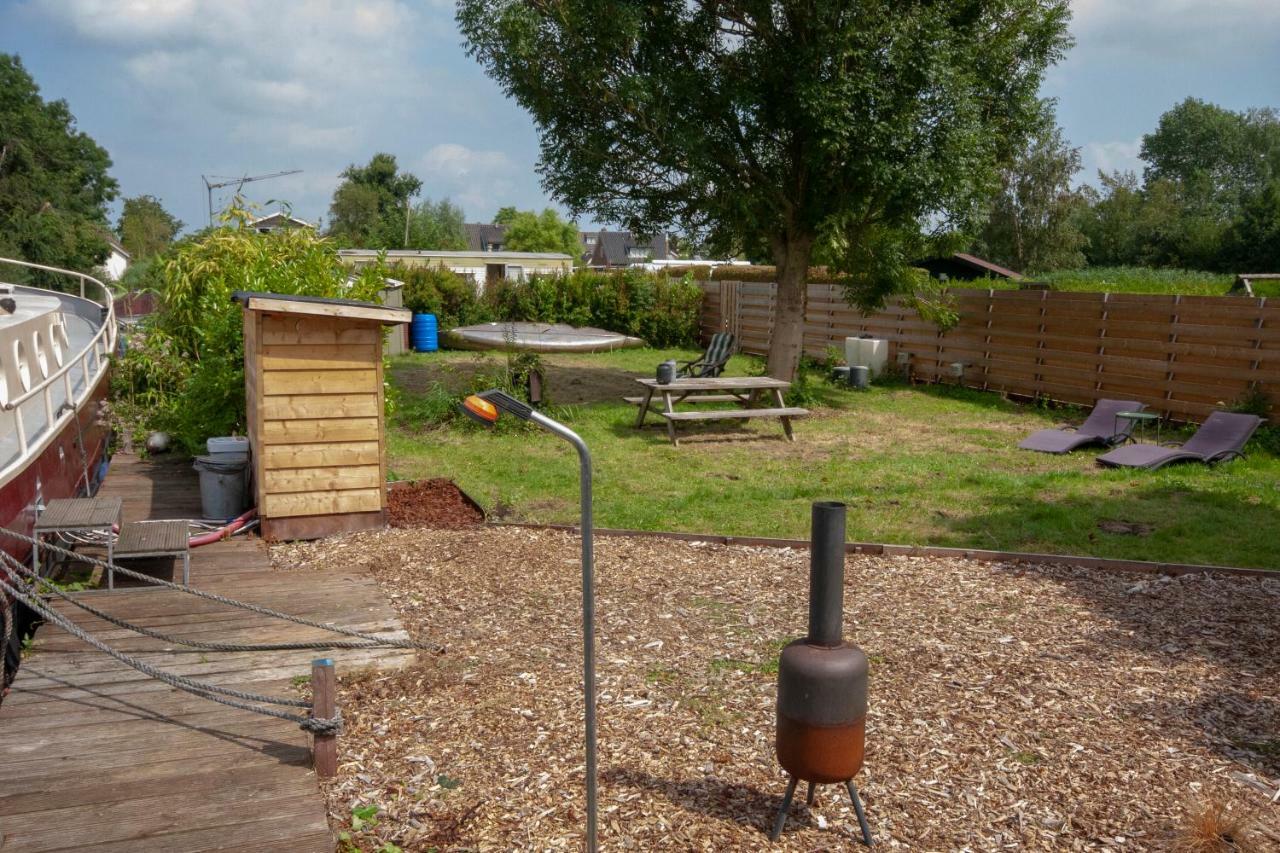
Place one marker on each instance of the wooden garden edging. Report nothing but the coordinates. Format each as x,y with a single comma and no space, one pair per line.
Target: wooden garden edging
1146,567
1183,356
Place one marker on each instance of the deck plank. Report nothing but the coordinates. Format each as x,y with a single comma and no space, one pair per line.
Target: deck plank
98,757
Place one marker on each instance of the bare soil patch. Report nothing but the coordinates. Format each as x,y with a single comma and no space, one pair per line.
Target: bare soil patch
566,382
436,502
1011,708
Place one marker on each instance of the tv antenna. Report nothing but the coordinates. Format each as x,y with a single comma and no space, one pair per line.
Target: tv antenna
210,186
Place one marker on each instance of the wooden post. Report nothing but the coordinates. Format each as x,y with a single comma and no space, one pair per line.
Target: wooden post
324,694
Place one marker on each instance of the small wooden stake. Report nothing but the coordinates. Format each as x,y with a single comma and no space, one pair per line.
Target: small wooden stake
324,692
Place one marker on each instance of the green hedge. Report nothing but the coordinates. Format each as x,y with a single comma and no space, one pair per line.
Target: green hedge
654,306
661,309
435,290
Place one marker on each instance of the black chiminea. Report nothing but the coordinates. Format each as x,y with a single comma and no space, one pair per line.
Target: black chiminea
822,681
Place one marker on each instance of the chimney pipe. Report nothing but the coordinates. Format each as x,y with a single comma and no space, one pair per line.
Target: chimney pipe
826,574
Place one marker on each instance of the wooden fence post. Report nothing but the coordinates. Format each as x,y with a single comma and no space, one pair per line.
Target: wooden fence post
324,695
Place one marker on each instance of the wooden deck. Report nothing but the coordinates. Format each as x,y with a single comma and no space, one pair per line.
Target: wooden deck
94,755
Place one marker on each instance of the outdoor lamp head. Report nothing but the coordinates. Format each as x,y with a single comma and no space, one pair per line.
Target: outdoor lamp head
480,410
479,406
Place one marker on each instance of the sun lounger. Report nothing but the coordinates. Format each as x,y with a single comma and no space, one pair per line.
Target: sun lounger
1222,436
1100,428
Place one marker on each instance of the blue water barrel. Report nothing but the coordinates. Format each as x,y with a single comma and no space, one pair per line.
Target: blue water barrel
424,334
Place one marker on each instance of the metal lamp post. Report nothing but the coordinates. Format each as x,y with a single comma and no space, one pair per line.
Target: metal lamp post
484,407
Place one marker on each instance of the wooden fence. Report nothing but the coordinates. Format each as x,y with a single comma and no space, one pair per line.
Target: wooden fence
1184,356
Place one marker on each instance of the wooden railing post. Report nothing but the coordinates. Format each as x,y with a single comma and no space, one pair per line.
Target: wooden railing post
324,696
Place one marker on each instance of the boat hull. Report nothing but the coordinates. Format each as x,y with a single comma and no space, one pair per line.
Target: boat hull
58,471
537,337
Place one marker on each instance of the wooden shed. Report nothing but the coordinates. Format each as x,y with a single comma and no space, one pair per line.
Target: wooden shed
313,386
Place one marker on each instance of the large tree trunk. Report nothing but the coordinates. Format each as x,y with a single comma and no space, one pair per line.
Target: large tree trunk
791,255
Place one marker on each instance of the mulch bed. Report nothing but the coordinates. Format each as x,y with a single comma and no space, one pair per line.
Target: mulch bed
1011,707
430,503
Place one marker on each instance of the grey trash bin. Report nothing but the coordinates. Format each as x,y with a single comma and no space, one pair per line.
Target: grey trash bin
223,486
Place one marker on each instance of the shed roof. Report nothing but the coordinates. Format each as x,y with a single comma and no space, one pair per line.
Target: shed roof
986,266
319,306
493,257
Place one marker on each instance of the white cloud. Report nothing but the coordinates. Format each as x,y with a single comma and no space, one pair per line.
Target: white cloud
480,181
1110,157
1170,30
302,59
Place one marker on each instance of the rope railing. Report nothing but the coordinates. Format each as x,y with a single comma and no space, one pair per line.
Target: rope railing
372,639
200,645
240,699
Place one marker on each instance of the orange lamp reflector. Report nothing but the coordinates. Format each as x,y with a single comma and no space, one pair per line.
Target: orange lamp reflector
480,409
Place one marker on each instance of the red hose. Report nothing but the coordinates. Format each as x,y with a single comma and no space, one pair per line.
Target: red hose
217,535
223,532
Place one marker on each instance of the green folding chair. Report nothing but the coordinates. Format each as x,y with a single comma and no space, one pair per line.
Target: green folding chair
712,362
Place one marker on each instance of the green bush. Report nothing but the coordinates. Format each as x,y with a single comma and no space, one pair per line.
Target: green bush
183,371
436,290
658,308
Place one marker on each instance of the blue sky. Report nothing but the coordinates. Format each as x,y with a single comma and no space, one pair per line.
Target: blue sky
179,88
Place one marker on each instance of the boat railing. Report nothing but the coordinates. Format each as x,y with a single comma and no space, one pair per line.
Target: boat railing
92,360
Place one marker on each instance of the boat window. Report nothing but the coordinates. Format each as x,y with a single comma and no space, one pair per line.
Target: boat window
58,342
37,345
23,366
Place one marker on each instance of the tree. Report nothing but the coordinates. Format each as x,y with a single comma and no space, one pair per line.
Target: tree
769,127
504,215
435,225
368,201
54,185
541,232
145,227
1033,225
1217,156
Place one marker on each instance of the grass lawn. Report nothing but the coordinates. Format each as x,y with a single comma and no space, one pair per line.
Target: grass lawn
927,465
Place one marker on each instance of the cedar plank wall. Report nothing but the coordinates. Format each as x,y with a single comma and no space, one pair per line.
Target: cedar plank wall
1183,356
316,420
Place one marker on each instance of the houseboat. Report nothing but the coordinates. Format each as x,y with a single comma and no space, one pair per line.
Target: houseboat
56,343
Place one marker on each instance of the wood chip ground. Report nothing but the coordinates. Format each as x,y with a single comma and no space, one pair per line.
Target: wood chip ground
1012,708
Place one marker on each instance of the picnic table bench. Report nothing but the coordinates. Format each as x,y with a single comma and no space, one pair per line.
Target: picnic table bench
745,390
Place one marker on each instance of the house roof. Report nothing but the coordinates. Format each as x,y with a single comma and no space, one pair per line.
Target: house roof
613,248
481,234
114,242
443,255
279,218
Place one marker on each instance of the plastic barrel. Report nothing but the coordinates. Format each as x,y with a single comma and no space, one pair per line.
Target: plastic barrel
223,486
424,333
860,376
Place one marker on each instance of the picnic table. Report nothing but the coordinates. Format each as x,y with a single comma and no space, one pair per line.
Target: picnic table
744,390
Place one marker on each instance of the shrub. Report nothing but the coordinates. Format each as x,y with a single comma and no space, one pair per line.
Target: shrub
660,309
439,291
184,370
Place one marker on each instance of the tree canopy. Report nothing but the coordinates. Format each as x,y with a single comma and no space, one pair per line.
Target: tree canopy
1033,225
145,227
54,185
1209,197
368,200
769,127
540,232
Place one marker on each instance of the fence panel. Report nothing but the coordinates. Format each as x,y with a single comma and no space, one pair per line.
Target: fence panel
1183,356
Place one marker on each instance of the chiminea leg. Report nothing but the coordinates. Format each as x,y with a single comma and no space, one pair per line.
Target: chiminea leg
862,816
808,800
782,812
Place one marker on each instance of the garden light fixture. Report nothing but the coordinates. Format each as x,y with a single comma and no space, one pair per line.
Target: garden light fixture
484,408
